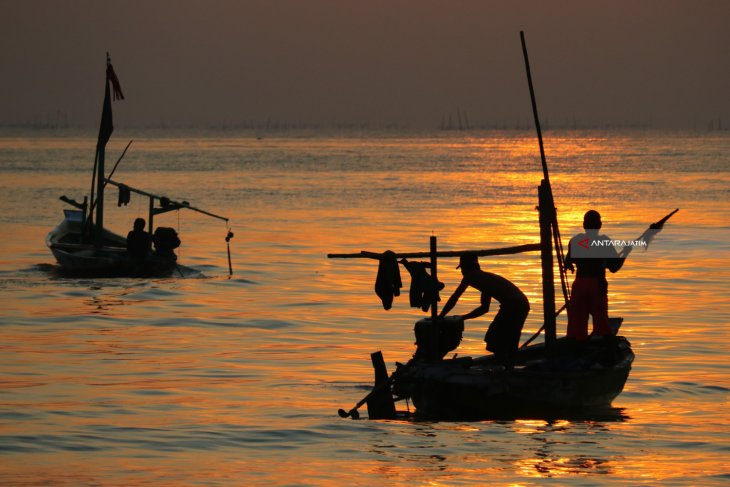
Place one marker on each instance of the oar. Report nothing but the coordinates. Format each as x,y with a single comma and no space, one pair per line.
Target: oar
353,412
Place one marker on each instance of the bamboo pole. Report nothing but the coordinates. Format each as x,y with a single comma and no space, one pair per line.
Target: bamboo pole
175,204
546,256
364,254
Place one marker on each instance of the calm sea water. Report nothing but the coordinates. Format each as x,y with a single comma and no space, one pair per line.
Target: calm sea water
236,381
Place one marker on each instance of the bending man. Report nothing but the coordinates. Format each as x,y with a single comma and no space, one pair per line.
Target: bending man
503,334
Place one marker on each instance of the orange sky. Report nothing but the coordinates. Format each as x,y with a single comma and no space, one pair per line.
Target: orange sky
662,63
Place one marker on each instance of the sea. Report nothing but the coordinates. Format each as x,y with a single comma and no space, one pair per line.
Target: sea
219,379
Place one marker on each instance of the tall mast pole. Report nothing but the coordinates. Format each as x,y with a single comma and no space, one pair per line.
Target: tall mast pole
99,224
545,174
106,128
548,223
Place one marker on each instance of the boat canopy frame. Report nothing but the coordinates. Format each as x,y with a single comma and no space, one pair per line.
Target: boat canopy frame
166,204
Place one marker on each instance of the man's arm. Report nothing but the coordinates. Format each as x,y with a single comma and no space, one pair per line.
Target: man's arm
614,265
476,312
454,298
616,261
568,263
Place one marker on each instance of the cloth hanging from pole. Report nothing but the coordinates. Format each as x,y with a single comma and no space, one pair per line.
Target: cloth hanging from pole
124,195
388,281
424,290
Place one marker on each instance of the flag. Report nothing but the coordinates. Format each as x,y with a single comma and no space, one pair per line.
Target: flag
112,76
107,125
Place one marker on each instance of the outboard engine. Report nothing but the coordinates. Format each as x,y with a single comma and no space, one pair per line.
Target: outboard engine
166,240
434,339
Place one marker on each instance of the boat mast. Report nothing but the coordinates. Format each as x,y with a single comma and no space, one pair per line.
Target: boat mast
105,130
549,231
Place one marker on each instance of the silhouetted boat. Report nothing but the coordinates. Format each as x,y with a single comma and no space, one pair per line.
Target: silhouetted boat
83,246
557,378
565,379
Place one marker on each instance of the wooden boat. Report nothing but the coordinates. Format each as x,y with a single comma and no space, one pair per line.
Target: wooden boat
553,379
564,380
83,246
557,378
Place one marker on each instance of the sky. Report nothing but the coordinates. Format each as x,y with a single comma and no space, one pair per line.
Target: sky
412,63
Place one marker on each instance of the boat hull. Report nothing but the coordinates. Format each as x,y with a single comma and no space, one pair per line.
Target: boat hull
79,258
587,378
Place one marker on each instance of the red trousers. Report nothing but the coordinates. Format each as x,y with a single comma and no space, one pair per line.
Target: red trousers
588,296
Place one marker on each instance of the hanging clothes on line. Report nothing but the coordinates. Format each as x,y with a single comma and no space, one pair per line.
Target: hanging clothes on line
424,291
124,195
388,281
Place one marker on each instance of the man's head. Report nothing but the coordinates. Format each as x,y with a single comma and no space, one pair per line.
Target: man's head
139,224
592,220
468,263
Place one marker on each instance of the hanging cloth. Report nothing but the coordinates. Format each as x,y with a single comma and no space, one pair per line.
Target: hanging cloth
124,195
388,281
424,291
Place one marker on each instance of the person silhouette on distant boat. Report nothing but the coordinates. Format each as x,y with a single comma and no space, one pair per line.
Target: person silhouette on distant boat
139,243
503,334
592,254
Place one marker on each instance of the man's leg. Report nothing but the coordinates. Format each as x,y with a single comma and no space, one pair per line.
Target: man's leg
579,308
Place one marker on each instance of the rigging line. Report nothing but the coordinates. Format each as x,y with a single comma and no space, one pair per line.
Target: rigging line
561,263
117,163
537,333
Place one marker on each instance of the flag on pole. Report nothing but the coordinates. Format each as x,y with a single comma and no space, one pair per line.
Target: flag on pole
112,76
107,125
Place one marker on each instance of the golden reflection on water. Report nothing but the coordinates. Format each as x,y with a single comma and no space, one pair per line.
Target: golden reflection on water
247,372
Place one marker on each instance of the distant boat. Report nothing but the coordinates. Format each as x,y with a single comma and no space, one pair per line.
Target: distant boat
83,246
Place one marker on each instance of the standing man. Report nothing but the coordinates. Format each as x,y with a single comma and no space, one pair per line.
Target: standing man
503,334
592,254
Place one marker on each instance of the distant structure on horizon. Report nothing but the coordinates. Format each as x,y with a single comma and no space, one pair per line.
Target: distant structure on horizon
456,121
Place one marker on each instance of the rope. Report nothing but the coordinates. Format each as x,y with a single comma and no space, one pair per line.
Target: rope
537,333
561,263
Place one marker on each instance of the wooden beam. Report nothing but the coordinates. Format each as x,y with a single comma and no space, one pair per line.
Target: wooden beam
175,205
364,254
